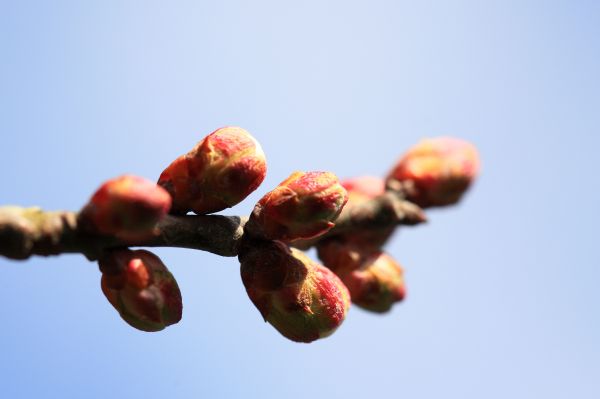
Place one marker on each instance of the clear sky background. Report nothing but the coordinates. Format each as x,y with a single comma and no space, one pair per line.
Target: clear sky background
503,289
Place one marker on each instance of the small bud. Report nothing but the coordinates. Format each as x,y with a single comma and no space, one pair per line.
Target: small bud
303,300
218,173
127,206
141,289
440,170
302,206
374,279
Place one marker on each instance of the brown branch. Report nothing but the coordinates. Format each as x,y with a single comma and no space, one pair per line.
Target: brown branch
388,210
30,231
384,212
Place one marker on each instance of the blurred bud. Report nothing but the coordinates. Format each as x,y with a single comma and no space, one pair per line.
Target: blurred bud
374,279
439,170
141,289
218,173
363,187
127,206
303,300
302,206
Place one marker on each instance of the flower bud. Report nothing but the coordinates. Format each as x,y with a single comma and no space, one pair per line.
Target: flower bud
127,206
218,173
440,170
141,289
303,300
437,172
374,279
302,206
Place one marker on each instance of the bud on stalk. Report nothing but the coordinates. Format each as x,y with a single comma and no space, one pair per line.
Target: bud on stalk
374,279
302,206
439,170
303,300
127,206
218,173
141,289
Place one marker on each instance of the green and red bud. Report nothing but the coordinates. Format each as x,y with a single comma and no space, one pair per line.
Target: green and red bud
302,206
439,170
141,288
302,299
218,173
375,281
127,206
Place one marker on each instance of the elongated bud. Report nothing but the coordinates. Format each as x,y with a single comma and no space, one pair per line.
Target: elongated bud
440,170
302,206
374,279
303,300
141,289
127,206
218,173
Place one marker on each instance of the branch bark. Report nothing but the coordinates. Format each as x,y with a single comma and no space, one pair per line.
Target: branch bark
31,231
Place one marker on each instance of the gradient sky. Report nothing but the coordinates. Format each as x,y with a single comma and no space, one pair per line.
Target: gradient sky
503,289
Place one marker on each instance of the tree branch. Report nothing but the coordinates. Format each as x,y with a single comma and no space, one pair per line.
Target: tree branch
31,231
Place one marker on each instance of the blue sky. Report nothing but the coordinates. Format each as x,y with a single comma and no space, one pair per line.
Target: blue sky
503,298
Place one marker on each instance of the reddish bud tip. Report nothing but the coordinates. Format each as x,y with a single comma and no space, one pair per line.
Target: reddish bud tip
440,170
374,279
364,187
302,206
127,206
303,300
218,173
141,289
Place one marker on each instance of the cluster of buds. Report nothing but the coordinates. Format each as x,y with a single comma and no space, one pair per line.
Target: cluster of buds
375,281
136,283
219,172
141,288
302,299
299,297
436,172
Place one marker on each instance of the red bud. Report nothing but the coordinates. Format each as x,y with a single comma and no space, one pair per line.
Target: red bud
302,206
218,173
440,170
374,279
127,206
141,289
303,300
